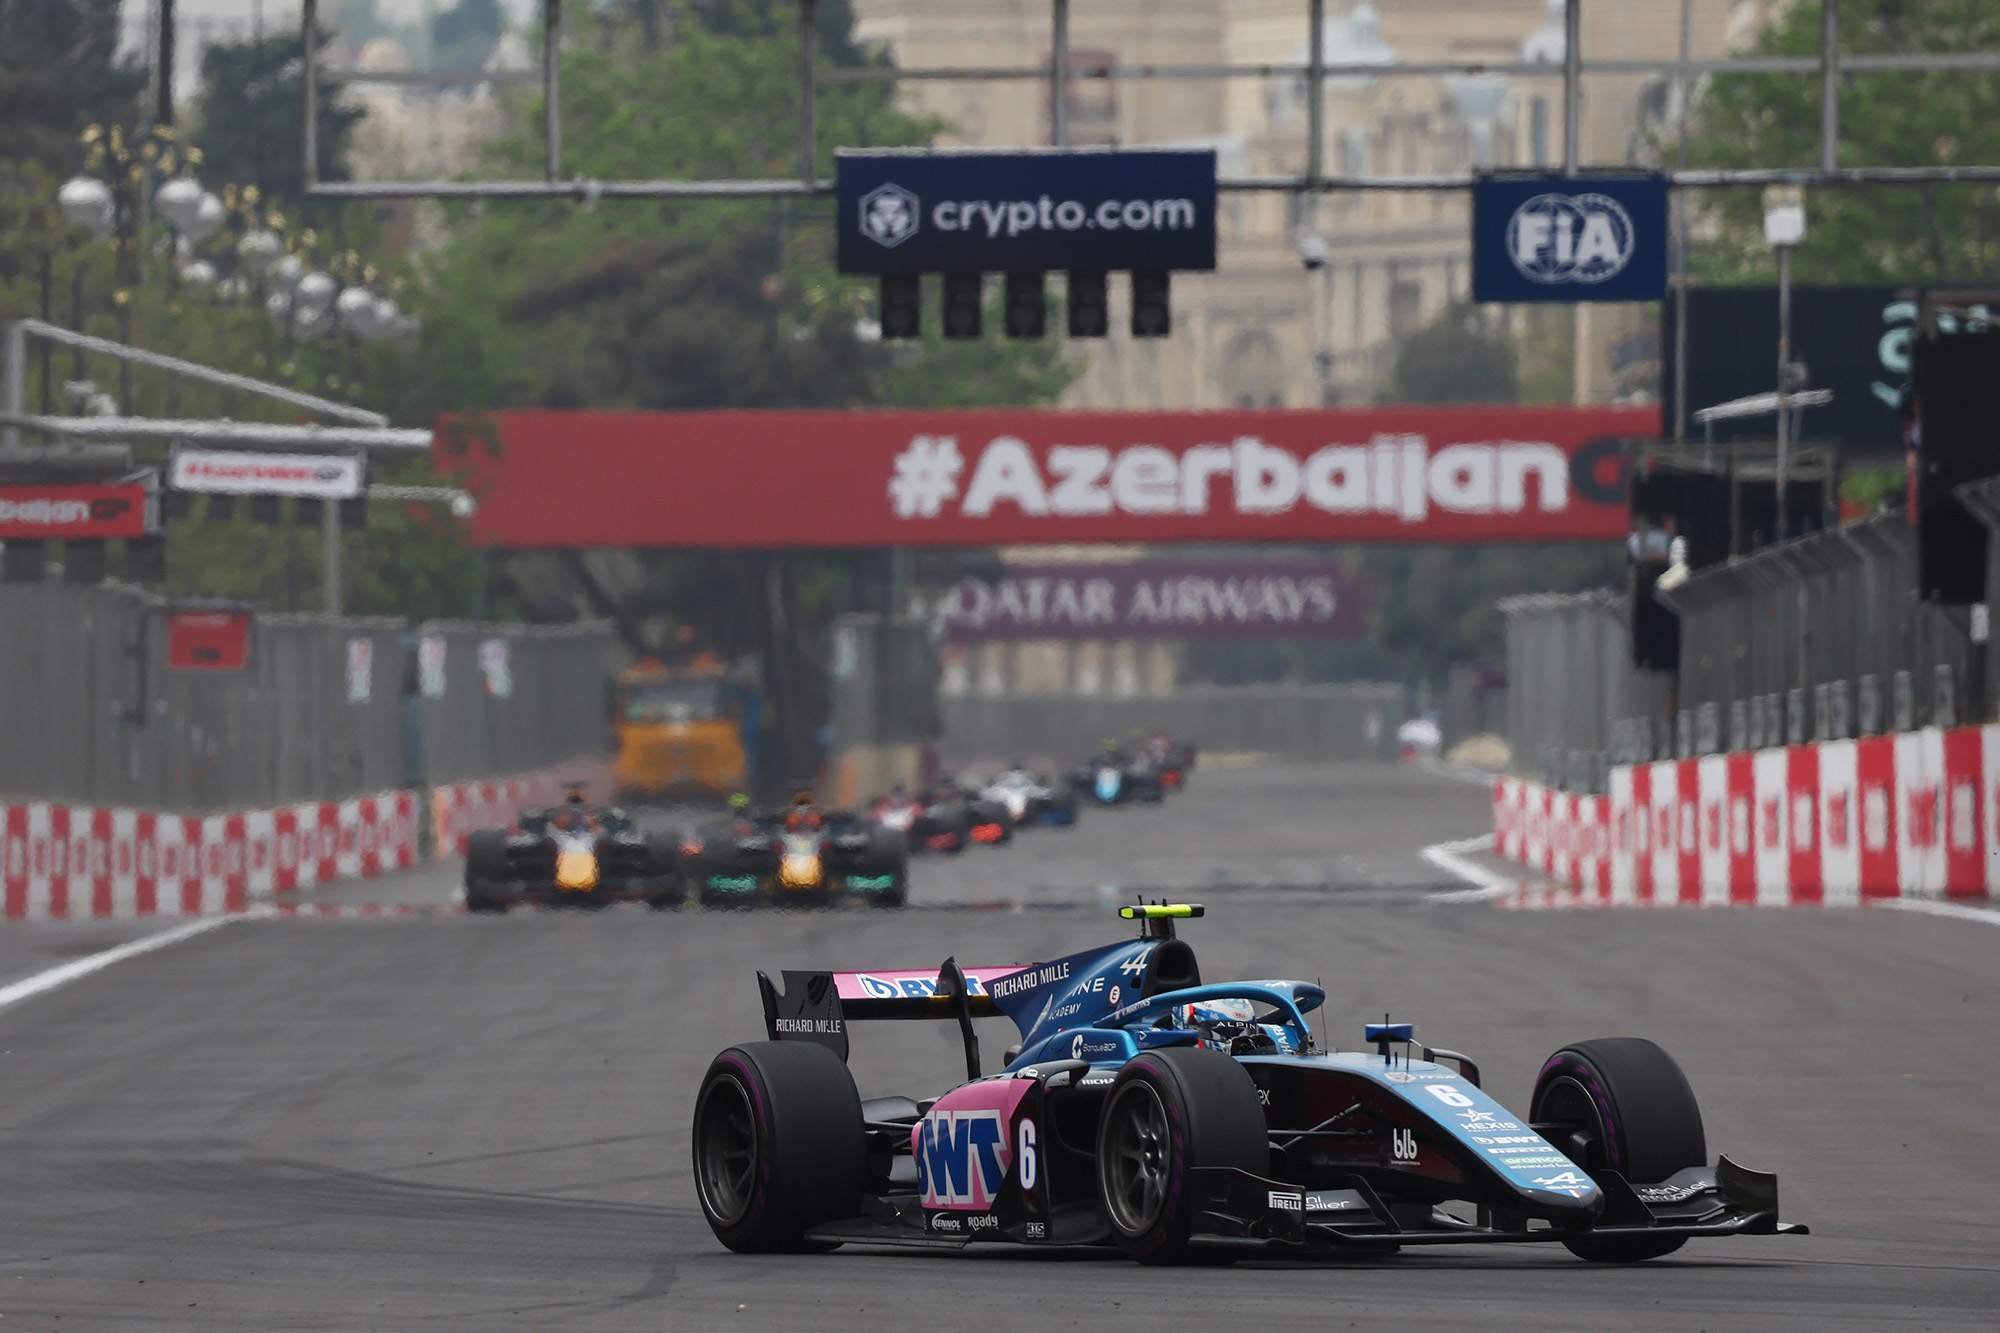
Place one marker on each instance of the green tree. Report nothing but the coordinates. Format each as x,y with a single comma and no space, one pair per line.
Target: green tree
1454,359
1874,234
249,118
60,72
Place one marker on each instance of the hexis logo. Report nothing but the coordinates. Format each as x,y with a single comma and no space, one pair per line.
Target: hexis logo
889,215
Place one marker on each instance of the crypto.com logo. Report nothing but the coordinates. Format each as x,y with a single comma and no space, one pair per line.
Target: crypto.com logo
889,215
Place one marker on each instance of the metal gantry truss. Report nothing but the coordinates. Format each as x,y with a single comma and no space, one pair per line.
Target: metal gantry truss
1829,65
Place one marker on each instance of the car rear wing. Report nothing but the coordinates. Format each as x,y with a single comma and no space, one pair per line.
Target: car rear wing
816,1006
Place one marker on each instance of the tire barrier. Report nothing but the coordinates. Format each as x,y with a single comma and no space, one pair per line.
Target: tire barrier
1916,814
78,862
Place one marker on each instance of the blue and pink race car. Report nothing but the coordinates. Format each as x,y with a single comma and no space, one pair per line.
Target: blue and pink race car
1179,1120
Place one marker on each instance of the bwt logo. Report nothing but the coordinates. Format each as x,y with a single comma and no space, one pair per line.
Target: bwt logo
962,1158
1558,238
889,215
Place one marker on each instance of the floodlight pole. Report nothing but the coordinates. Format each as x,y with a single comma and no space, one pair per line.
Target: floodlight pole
309,45
1059,74
1316,95
1784,381
1829,86
1572,85
808,58
330,531
552,85
1682,93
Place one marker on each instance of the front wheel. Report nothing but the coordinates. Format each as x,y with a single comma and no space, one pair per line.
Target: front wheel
1620,1104
778,1146
1170,1112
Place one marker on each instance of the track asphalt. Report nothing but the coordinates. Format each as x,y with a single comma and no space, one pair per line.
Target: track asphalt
448,1122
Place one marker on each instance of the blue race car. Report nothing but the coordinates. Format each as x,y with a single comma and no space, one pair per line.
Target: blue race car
1177,1119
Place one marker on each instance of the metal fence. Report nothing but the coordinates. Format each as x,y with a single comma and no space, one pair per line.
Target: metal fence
1822,638
1571,683
492,699
91,713
326,708
1356,721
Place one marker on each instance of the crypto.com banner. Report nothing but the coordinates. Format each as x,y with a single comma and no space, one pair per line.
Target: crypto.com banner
556,479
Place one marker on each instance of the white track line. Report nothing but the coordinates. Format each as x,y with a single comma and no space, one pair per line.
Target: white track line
1445,856
1932,907
41,982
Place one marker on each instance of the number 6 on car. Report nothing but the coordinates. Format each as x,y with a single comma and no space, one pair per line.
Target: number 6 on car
1167,1116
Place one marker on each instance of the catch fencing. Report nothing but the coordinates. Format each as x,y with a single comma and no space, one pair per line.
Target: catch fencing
1571,684
1353,721
1819,639
325,708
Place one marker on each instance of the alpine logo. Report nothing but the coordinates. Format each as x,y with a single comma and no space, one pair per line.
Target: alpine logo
889,215
962,1158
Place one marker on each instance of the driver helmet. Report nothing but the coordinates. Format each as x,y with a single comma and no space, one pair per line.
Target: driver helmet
739,801
1230,1025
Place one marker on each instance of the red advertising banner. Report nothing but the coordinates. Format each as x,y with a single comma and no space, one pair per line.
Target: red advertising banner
208,640
30,513
549,478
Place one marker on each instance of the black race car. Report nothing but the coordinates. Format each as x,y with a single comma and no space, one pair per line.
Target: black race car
572,855
1116,775
800,856
1178,1121
945,818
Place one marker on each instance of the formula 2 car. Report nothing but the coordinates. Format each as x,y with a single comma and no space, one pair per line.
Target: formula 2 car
574,854
1116,777
803,856
1029,799
1175,1120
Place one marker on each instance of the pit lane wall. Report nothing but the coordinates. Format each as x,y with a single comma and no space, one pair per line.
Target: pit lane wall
1916,814
81,862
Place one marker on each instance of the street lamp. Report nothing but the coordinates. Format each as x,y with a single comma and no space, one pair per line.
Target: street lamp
1784,228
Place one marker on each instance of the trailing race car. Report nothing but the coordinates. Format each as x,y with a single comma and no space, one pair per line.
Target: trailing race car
802,856
943,819
1172,759
1116,776
574,854
1029,799
1146,1110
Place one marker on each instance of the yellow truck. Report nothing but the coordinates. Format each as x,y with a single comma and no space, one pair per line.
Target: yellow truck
680,732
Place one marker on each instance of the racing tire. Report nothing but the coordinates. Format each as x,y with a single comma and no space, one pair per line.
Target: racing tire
663,868
1172,1111
486,871
1620,1104
482,897
778,1146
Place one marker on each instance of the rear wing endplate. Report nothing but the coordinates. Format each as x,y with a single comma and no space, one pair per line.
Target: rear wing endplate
815,1006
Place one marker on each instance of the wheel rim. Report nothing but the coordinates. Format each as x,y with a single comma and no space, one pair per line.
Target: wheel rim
1135,1160
726,1151
1565,1101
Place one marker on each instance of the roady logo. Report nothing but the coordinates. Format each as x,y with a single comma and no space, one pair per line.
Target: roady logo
1563,238
889,215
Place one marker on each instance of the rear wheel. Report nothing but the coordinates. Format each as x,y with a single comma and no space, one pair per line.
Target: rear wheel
663,868
778,1146
1620,1104
1169,1113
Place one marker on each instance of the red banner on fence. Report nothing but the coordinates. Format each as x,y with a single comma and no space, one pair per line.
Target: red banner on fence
971,478
29,513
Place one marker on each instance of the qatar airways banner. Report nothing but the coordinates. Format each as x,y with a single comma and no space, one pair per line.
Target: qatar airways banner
1158,599
556,479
